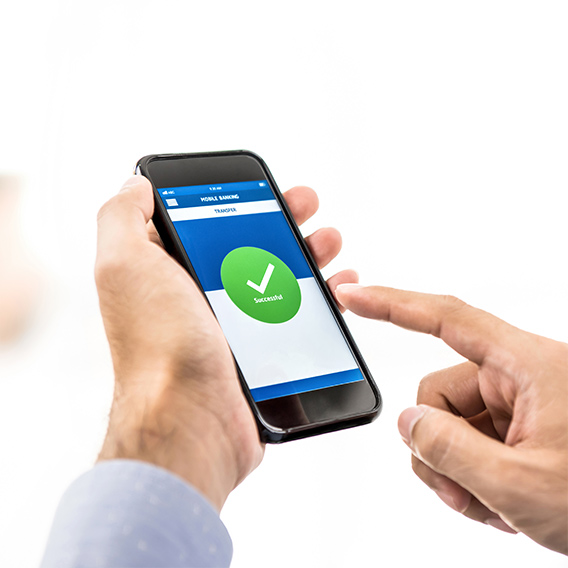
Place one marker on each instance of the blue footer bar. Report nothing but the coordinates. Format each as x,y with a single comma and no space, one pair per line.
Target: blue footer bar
304,385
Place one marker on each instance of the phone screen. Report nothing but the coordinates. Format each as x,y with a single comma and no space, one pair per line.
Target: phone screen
293,350
282,333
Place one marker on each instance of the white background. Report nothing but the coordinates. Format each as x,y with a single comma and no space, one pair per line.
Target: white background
436,135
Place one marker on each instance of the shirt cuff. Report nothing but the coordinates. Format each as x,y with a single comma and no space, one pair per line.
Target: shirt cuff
126,513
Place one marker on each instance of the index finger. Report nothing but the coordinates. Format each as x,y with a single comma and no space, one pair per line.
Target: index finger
473,333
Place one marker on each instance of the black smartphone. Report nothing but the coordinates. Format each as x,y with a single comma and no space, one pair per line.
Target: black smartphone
221,215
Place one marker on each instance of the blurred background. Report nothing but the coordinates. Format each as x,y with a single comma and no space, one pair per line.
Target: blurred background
436,136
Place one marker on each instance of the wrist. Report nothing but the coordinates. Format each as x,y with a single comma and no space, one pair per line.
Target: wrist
173,431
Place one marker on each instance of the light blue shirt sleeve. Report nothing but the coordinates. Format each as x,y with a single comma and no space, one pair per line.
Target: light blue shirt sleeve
126,513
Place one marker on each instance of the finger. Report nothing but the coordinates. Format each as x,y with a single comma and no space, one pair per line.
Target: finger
343,277
471,332
451,447
303,202
125,216
491,426
153,234
324,245
447,490
457,497
455,390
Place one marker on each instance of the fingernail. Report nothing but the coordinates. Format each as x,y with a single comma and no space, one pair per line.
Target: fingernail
458,502
501,525
348,286
130,182
408,420
448,500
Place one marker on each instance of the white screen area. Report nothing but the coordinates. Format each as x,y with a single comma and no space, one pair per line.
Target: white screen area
308,345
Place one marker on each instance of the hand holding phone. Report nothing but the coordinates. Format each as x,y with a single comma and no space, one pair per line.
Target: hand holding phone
178,402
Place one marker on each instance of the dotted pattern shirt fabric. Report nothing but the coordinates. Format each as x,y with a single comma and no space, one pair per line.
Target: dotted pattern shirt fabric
125,513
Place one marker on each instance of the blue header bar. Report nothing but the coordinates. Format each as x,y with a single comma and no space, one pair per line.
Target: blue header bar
220,198
213,188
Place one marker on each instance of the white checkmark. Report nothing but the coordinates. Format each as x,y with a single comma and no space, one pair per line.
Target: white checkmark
265,279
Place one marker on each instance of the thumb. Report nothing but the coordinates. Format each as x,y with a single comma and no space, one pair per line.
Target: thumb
452,447
123,218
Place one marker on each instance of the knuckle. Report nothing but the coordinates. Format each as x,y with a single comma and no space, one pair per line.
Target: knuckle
117,203
453,306
453,301
426,388
446,386
108,269
103,211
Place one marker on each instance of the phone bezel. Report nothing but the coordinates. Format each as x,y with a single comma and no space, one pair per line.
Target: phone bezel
173,245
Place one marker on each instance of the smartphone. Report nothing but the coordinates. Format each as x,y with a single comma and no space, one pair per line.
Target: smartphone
222,217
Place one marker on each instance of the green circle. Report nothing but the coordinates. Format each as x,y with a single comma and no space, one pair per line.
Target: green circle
261,285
